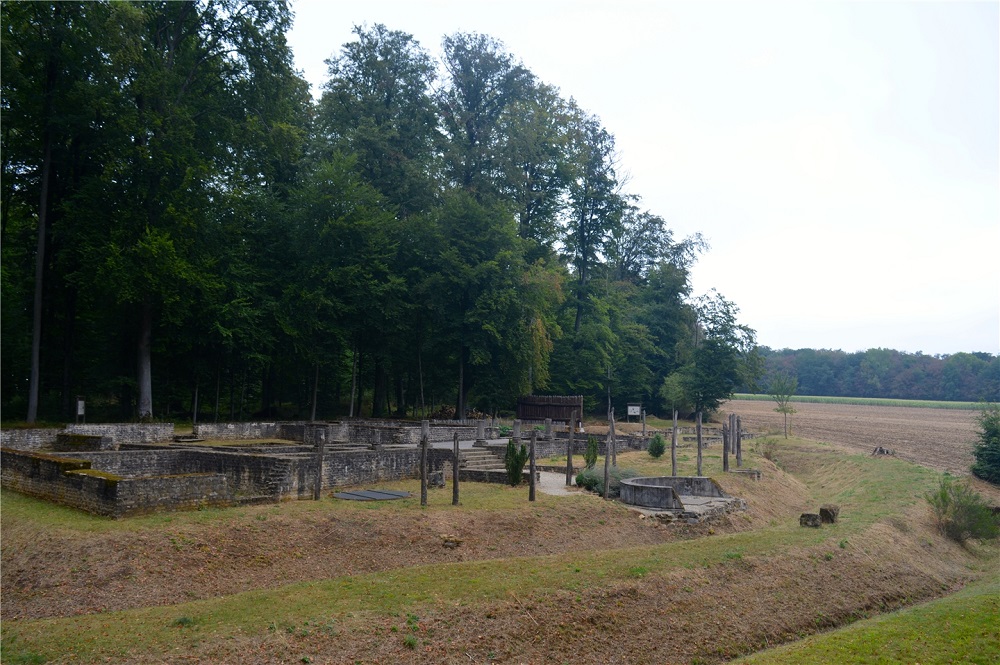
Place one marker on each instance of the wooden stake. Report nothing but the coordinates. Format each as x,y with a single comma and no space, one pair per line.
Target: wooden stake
531,466
739,441
698,432
423,470
569,450
725,447
673,448
454,473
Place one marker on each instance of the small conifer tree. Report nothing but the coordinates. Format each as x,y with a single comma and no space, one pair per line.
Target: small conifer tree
657,446
514,461
590,455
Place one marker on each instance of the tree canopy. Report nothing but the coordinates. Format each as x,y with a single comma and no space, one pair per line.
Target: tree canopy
179,215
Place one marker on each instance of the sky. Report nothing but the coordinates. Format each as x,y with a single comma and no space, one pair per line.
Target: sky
841,159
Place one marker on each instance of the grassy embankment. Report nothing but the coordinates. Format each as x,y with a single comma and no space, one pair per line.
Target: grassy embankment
961,628
870,492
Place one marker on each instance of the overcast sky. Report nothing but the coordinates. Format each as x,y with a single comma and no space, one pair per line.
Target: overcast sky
840,158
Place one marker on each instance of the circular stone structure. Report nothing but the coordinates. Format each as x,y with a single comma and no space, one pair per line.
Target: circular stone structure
652,492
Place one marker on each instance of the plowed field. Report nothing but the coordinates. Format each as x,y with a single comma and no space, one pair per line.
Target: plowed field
936,438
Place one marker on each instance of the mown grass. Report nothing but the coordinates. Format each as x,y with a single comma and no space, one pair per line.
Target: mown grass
474,497
867,401
868,490
961,628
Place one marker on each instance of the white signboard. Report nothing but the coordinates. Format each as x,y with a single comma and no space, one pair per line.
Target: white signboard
635,409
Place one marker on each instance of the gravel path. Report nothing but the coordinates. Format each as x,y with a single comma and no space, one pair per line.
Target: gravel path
554,483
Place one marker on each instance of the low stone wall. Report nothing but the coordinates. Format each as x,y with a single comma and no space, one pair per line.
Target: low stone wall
236,431
28,439
495,476
69,443
73,482
366,466
557,447
122,433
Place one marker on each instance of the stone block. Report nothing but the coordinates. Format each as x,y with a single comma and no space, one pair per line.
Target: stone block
810,519
829,513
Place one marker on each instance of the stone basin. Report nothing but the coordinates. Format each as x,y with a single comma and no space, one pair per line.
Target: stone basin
663,492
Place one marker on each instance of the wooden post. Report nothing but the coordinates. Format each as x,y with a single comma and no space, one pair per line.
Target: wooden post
454,473
607,460
698,432
732,431
531,467
614,441
423,470
318,490
739,442
644,423
673,448
569,451
725,447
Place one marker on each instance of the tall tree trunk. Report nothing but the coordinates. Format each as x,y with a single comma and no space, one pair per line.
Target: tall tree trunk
400,397
460,407
218,387
312,416
36,320
420,368
354,380
194,408
145,373
378,398
69,336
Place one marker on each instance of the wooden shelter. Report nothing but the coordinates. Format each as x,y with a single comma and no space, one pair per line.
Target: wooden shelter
559,408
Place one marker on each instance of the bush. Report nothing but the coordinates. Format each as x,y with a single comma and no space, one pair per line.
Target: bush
514,461
657,446
962,513
987,450
590,454
593,480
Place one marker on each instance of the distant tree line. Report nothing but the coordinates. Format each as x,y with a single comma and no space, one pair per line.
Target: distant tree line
185,230
963,377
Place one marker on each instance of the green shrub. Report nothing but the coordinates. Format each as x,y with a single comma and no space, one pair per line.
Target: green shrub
657,446
514,461
987,450
961,512
590,455
593,480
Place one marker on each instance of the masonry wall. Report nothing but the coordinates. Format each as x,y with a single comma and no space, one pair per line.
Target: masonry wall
366,466
122,433
82,442
236,431
73,482
28,439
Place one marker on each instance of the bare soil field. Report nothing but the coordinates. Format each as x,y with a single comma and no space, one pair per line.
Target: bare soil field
940,439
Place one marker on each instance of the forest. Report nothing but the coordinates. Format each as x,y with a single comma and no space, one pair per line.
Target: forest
961,377
188,233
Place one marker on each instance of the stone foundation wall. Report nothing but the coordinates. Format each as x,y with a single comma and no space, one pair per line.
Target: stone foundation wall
367,466
236,431
73,482
68,443
122,433
28,439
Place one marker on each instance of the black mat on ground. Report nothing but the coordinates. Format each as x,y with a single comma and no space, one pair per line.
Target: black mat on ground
371,495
